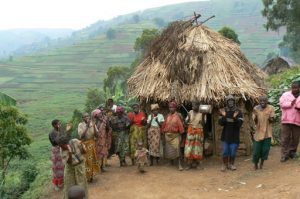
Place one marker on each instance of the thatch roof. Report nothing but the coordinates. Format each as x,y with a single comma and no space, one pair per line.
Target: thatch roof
192,62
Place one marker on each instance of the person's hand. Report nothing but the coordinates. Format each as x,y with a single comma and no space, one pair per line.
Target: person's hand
293,102
235,114
69,127
69,148
222,112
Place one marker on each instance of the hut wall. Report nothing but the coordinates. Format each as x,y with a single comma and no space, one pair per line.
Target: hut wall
245,147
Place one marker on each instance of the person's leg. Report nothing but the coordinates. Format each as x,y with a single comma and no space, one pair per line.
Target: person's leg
151,160
69,179
285,141
233,147
189,164
265,151
295,131
257,148
81,177
225,156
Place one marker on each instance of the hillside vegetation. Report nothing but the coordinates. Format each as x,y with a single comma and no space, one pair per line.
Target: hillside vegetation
52,83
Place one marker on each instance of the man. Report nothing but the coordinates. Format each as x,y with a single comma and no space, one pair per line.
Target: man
72,154
290,120
120,125
172,129
231,120
87,131
263,116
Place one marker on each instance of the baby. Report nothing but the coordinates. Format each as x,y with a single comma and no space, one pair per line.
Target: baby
141,157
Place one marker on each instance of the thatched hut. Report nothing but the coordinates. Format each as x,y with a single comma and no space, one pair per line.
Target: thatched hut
278,64
194,63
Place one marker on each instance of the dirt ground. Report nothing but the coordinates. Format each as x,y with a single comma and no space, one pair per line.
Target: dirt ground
276,180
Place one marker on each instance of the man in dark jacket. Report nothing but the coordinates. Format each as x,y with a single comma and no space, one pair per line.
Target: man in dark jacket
231,120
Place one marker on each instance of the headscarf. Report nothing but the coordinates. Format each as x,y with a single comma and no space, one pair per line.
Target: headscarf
173,104
154,106
229,97
120,109
96,112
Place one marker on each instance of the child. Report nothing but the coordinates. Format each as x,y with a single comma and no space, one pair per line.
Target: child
141,157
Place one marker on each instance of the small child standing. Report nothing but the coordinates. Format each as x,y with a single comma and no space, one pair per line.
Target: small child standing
141,157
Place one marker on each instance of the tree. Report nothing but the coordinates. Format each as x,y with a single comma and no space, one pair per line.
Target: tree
143,42
94,98
116,75
284,13
230,34
111,34
14,138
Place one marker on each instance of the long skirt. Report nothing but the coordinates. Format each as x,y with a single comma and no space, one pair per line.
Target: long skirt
136,134
103,143
194,144
57,167
75,175
121,142
261,150
172,146
154,141
91,160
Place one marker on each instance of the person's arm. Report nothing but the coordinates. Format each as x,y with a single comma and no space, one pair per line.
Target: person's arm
96,130
149,120
239,118
222,119
285,102
272,115
160,120
82,129
254,115
180,125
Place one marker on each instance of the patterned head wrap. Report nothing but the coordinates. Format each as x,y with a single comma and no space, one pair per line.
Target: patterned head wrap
154,107
96,112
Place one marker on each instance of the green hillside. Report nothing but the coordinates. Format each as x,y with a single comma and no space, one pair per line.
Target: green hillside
52,83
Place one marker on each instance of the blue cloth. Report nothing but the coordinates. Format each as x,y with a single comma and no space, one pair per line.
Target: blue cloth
230,149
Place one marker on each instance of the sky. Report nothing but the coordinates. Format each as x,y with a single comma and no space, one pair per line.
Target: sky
74,14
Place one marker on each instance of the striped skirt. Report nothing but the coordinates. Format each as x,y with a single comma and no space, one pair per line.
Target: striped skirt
193,149
172,147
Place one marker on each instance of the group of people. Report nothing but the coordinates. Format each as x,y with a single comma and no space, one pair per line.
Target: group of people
109,130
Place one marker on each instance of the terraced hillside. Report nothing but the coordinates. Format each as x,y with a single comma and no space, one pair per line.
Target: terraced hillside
52,83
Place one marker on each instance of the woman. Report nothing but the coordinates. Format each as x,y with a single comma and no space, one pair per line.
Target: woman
87,131
120,125
172,128
155,121
193,150
103,142
73,158
137,129
57,164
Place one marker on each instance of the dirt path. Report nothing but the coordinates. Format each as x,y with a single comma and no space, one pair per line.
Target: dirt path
277,180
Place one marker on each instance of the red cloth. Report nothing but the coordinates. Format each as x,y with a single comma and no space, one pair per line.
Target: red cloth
137,119
173,124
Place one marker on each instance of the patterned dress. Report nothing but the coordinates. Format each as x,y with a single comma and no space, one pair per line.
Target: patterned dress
120,135
103,143
154,135
91,163
172,129
137,131
194,142
57,164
